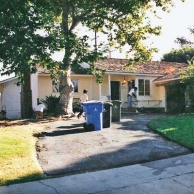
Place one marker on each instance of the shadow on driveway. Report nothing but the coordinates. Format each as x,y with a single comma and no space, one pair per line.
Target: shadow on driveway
68,130
65,148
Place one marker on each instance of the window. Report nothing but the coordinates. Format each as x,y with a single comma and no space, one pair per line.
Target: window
75,83
55,87
144,87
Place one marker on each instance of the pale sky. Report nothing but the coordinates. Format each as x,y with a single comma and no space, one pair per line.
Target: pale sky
174,24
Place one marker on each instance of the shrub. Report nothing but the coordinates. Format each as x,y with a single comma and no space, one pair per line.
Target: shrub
52,104
76,107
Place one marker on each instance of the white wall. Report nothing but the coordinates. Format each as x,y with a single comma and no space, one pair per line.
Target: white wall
34,88
11,99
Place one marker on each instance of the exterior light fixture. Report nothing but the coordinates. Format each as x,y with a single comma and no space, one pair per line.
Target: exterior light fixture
124,81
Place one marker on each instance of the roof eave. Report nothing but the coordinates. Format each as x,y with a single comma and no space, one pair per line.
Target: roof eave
166,81
8,79
133,73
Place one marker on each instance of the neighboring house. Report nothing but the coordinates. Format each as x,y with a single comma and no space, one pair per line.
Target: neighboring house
153,79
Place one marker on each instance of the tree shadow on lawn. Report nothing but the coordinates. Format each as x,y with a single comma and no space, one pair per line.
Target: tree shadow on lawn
23,179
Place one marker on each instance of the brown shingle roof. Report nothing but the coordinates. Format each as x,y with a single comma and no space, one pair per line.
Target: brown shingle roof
154,67
165,70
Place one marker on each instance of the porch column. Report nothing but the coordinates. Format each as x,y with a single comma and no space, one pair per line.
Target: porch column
109,86
92,97
34,87
165,101
100,91
1,90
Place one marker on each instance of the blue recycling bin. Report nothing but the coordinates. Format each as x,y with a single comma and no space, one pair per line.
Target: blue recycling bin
93,111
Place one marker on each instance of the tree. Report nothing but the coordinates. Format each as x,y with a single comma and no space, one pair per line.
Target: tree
123,22
21,47
182,55
182,41
187,77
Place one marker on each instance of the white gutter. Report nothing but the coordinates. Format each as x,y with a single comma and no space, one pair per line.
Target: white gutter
43,74
72,75
7,80
81,75
110,73
164,81
138,74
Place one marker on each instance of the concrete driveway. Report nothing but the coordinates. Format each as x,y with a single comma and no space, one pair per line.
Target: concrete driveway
65,148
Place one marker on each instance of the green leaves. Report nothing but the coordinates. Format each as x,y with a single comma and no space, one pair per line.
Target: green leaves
31,31
20,44
182,55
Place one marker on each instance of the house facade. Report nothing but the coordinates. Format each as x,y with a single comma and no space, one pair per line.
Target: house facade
151,78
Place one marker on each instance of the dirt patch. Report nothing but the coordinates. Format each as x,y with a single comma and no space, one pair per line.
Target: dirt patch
45,120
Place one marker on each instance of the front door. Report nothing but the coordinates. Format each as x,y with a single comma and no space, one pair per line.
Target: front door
115,90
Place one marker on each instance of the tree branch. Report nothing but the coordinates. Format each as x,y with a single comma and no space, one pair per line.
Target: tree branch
76,20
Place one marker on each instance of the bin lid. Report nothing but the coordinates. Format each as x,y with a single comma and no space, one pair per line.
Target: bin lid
92,102
115,101
92,106
108,103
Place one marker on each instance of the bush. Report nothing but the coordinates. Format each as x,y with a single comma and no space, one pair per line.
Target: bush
52,104
76,107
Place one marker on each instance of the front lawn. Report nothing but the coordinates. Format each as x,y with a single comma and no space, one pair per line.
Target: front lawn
179,129
18,161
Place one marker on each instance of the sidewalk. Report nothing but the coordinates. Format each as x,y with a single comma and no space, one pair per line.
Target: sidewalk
167,176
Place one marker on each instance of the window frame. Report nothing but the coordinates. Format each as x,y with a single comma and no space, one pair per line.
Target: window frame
75,83
55,87
144,87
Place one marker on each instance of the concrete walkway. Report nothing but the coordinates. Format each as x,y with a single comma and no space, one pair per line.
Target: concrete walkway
167,176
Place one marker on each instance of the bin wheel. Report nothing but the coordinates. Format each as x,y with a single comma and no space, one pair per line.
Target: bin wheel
90,127
85,126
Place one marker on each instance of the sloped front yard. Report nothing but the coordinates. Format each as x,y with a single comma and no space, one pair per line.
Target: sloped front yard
179,128
63,147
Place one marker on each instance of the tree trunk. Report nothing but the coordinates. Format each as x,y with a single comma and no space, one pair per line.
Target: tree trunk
66,86
66,93
26,97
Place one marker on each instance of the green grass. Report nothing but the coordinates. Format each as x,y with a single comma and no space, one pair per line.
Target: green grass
18,161
179,129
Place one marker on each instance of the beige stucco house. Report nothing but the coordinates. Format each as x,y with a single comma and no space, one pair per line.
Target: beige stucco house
151,78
